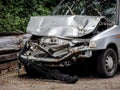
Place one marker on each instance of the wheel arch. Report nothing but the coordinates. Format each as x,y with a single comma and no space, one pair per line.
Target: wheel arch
114,47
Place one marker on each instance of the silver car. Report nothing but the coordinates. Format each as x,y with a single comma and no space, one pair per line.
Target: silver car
77,31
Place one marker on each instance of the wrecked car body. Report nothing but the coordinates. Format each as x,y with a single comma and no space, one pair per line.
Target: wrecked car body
58,43
63,40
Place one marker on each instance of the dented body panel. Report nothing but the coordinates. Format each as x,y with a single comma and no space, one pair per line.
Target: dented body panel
68,26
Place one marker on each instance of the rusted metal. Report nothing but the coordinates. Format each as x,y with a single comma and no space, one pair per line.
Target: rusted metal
56,60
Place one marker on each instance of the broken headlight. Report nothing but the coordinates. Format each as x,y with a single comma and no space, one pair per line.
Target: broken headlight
92,44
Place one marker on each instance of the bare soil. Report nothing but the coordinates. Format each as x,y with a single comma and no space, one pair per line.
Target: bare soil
11,81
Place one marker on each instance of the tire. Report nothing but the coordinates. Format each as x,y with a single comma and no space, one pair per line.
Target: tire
107,63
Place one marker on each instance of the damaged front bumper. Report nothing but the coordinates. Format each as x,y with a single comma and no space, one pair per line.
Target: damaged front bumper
62,59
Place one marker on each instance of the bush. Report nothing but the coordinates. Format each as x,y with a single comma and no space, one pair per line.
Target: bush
15,14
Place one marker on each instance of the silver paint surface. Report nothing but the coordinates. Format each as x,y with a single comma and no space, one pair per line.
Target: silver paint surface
71,26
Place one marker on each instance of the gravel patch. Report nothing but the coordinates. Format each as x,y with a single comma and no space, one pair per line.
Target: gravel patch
11,81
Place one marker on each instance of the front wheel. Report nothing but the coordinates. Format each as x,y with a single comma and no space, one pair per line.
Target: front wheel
107,63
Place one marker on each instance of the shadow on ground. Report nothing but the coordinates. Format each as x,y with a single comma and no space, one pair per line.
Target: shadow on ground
87,74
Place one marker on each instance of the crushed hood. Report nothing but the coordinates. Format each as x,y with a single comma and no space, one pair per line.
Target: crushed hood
66,26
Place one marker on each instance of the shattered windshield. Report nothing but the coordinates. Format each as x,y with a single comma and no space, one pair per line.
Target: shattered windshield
87,7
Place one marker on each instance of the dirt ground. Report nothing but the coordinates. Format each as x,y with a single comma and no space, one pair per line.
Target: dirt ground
11,81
